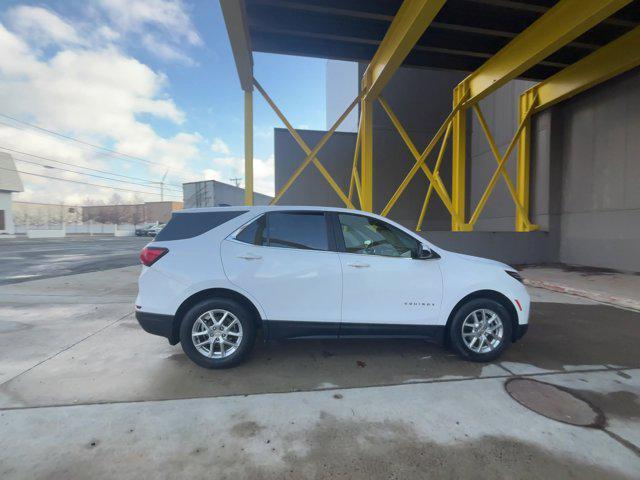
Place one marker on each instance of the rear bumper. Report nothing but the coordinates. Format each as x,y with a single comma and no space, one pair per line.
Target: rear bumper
157,324
520,331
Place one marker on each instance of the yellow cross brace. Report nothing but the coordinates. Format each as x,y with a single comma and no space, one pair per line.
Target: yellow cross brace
501,163
494,149
436,173
419,160
311,154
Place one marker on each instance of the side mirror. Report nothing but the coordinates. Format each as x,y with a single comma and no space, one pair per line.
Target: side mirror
422,253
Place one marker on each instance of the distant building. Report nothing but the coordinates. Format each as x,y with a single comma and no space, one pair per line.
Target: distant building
148,212
211,193
9,183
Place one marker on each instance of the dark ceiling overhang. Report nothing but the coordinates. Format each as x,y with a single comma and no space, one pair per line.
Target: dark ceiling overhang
464,34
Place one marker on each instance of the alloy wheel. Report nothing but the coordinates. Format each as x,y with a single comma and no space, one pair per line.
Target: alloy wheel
482,331
217,333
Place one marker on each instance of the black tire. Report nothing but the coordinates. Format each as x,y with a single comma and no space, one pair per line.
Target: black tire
248,332
455,330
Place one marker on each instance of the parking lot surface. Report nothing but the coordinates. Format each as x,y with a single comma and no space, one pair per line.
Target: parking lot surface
85,393
26,259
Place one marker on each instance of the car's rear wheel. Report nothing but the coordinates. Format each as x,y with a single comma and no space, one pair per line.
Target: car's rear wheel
480,330
217,333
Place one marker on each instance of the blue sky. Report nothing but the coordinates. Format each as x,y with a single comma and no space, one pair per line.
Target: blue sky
151,78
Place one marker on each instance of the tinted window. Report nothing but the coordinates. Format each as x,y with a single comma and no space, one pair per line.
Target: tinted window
298,230
187,225
255,233
369,236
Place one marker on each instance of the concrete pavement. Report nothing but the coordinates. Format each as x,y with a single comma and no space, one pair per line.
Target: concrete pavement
84,392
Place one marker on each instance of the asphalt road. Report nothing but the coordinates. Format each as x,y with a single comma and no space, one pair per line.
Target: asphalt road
32,259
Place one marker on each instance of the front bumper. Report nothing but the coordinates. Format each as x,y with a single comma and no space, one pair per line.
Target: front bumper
158,324
520,332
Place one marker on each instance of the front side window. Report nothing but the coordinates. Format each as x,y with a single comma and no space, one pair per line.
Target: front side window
370,236
301,230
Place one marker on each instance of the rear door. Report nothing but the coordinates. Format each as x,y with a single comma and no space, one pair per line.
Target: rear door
284,260
385,290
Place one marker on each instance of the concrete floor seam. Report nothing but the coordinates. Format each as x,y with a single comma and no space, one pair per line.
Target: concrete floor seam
329,389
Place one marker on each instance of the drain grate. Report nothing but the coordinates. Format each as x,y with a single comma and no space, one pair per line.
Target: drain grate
555,402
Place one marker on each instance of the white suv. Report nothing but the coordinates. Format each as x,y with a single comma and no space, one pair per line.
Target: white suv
213,277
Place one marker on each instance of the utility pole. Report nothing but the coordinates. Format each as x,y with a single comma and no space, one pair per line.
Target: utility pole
236,180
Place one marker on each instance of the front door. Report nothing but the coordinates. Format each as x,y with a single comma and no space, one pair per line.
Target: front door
284,260
385,290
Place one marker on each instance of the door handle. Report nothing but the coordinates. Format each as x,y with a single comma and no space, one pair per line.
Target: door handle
250,256
358,265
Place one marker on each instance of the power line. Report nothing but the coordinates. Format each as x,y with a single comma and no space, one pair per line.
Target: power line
82,183
93,145
81,166
90,174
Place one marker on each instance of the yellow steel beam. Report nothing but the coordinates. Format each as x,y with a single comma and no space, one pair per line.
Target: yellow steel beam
614,58
503,160
311,154
459,159
419,160
521,211
527,101
436,174
248,147
234,15
354,167
366,155
561,24
410,22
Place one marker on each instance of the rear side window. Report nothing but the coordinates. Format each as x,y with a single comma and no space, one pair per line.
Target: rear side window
189,225
255,233
302,230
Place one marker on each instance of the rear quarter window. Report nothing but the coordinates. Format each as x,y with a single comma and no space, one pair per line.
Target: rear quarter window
189,225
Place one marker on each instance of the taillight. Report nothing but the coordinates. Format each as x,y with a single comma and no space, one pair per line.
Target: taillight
150,255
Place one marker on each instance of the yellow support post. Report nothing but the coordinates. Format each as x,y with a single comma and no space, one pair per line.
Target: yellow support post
354,167
248,147
366,155
527,101
458,167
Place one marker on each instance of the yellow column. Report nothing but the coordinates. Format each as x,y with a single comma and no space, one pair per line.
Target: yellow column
524,162
248,147
458,169
366,152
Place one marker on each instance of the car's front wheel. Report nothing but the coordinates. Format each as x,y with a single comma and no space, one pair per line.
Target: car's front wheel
480,330
217,333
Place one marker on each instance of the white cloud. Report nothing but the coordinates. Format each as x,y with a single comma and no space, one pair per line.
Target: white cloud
41,26
232,167
92,91
219,146
163,26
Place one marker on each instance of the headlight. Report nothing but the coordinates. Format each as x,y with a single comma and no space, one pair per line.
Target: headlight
515,275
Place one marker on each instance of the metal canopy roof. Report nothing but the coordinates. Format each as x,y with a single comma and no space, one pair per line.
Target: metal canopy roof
463,36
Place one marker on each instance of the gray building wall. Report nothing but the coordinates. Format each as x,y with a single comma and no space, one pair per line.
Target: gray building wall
597,152
211,193
341,88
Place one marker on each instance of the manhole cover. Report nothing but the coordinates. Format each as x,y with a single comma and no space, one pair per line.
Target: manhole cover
555,402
